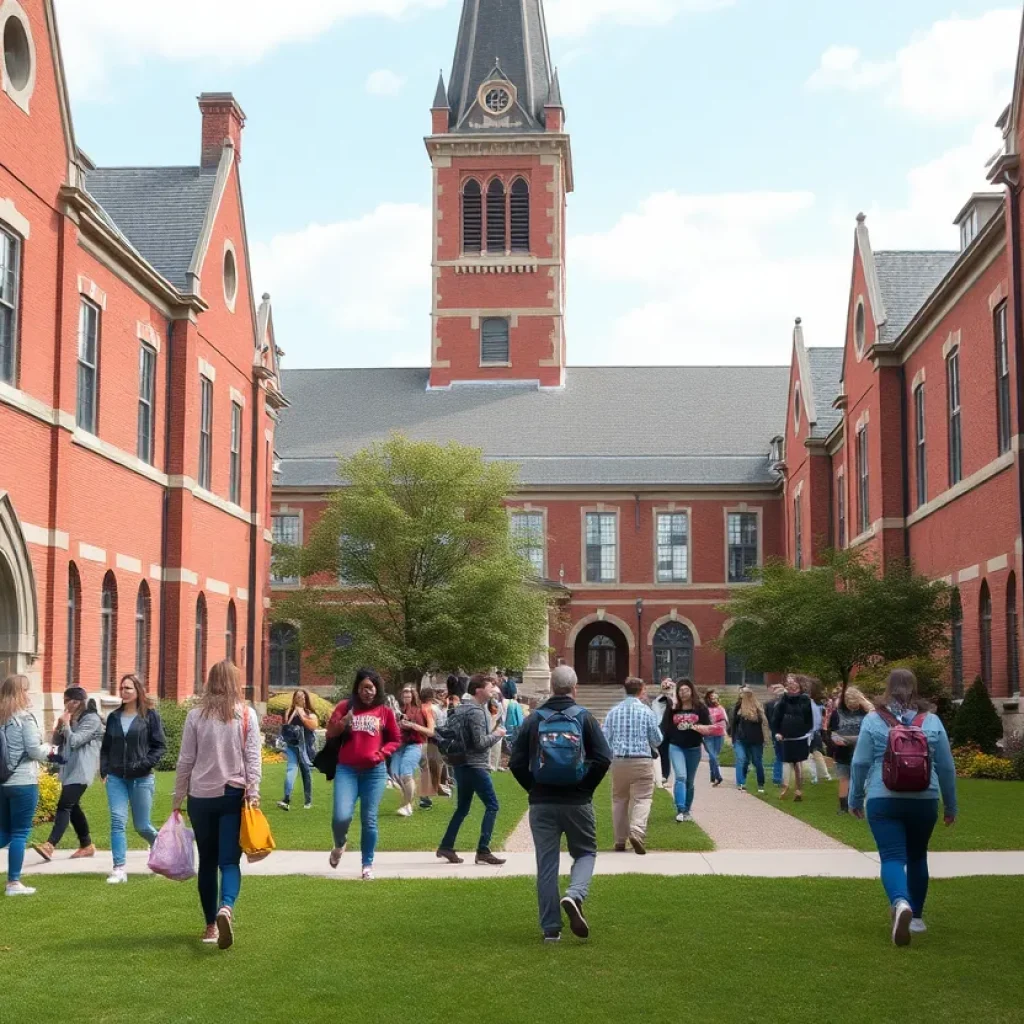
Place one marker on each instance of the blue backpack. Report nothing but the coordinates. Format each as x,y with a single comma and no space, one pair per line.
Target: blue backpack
558,757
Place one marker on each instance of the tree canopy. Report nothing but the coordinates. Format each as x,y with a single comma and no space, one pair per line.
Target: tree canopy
412,566
833,618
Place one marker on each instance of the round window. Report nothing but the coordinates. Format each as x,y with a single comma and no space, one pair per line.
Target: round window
230,277
17,53
796,407
858,327
497,99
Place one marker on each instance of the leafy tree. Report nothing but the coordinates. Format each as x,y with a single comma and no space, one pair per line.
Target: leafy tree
833,618
420,539
977,721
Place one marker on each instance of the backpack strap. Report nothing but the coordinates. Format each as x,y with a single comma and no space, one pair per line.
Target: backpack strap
918,722
888,717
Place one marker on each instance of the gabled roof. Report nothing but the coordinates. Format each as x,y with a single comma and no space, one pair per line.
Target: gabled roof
826,369
670,426
160,210
906,279
509,34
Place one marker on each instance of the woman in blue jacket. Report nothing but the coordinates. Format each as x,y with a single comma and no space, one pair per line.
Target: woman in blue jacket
902,823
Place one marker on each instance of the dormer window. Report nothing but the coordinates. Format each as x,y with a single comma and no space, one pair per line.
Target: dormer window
497,100
977,212
969,229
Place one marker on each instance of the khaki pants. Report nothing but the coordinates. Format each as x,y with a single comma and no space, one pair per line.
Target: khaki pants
632,796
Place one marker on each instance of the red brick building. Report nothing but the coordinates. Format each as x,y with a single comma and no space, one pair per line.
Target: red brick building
138,398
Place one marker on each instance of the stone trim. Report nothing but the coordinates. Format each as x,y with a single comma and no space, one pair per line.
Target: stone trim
181,576
20,97
998,564
10,216
995,467
147,333
217,587
230,300
673,616
919,379
952,342
119,456
997,297
239,399
45,538
227,162
601,615
972,572
128,564
207,370
92,554
242,594
92,291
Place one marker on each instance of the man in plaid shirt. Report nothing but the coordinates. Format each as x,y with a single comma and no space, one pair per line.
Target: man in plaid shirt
632,731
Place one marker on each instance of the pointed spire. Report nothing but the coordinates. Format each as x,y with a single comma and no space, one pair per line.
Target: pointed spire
555,92
441,96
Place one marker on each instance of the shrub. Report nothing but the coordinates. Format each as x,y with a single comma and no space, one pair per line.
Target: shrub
963,759
173,715
270,726
977,721
929,672
269,756
1018,765
988,767
49,794
281,702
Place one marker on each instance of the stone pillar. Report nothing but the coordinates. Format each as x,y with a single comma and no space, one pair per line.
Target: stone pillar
537,676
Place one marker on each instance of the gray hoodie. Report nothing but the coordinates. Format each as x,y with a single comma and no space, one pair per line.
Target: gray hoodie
80,744
476,730
24,748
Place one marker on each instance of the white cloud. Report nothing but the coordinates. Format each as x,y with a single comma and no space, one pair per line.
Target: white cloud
574,17
960,68
335,284
384,82
100,33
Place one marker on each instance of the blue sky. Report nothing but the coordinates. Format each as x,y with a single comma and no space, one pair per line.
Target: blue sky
722,149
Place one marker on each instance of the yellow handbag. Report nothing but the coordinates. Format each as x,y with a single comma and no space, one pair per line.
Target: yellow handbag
255,837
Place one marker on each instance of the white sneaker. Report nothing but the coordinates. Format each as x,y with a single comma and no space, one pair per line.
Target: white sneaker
680,817
405,811
742,789
761,791
367,874
17,889
687,816
902,915
917,926
117,877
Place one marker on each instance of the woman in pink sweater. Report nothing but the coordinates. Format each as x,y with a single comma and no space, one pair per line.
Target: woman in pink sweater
219,769
715,739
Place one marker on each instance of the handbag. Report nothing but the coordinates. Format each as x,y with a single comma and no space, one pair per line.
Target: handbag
254,837
326,760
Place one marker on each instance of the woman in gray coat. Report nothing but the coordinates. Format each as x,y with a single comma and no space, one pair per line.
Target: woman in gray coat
77,738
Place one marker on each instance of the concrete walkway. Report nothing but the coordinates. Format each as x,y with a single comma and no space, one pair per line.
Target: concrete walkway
772,863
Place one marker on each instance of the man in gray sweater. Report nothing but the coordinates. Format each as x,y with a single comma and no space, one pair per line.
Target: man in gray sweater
472,776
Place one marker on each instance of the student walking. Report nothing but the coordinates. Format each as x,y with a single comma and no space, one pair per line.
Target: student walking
903,797
778,766
684,726
365,731
77,736
472,777
133,745
431,766
818,764
416,721
715,740
219,770
299,735
661,705
792,723
750,732
560,758
631,729
844,726
23,752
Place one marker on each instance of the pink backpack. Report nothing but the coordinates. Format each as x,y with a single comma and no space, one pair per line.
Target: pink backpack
907,763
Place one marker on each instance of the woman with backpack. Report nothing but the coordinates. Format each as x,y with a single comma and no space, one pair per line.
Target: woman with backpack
750,731
21,753
299,735
792,724
684,726
219,770
133,745
715,740
902,794
364,732
416,722
844,725
77,737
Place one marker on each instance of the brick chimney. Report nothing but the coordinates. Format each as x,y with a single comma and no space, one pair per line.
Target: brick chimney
223,119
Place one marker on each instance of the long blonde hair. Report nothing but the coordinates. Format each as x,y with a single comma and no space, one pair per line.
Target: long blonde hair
13,697
223,692
750,706
858,695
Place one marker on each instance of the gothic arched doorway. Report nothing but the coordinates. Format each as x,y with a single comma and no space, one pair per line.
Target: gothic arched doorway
602,654
673,652
18,609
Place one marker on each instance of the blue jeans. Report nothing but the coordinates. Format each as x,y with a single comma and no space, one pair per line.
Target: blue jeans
713,745
406,760
747,756
902,829
779,766
123,794
297,763
685,762
366,785
17,809
473,780
217,823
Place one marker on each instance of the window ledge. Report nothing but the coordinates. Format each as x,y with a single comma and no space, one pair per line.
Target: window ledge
518,264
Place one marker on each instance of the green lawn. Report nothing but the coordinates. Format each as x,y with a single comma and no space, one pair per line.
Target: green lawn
455,952
991,816
298,829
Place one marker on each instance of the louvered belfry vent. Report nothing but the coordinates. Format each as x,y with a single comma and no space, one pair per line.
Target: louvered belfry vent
496,226
494,340
519,205
472,217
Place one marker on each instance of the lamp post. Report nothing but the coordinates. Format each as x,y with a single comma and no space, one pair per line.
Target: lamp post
640,637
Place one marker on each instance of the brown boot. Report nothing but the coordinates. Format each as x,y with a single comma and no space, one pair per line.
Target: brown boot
449,855
486,857
45,850
83,852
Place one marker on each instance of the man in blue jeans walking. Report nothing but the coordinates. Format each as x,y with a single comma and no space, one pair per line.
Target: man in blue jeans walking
472,777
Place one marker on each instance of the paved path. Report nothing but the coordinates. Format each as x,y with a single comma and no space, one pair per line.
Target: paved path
773,863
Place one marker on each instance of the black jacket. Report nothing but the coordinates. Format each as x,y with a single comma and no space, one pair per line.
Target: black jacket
743,730
136,755
793,718
595,746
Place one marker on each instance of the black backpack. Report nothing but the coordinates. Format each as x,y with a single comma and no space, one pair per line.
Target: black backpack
6,771
451,739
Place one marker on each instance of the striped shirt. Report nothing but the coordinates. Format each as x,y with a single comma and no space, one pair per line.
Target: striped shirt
631,729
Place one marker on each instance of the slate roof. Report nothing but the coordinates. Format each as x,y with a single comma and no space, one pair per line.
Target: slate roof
675,426
514,33
826,366
160,210
906,280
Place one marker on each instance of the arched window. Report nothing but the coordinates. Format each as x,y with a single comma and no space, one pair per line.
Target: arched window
285,661
74,624
142,619
737,673
108,634
957,643
673,652
497,230
472,217
230,634
601,655
1012,637
494,340
985,634
519,215
200,650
